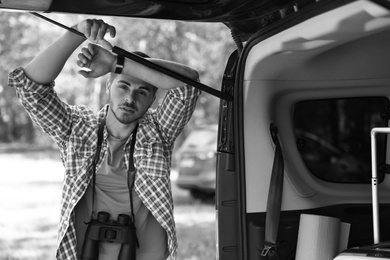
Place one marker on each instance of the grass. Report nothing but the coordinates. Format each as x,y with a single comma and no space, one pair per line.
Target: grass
30,185
196,242
196,231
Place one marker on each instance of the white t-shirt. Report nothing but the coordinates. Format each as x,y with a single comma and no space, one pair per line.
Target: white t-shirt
112,195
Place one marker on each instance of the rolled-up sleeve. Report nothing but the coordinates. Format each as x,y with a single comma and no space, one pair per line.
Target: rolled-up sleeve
176,110
19,80
42,104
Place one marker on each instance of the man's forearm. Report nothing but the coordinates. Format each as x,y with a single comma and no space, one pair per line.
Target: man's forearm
45,67
156,78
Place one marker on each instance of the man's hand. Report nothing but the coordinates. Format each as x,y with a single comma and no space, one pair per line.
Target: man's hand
46,66
95,30
97,60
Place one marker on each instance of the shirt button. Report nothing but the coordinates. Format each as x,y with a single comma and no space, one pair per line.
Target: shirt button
73,201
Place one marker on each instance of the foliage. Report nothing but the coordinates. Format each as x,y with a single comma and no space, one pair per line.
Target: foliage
203,46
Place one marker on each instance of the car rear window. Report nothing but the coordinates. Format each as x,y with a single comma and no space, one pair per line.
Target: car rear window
333,137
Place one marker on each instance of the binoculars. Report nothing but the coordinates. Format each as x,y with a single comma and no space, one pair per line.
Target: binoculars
105,230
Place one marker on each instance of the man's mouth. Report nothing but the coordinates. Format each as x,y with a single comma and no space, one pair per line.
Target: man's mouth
128,107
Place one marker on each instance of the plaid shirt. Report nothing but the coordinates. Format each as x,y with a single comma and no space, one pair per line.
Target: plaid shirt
74,130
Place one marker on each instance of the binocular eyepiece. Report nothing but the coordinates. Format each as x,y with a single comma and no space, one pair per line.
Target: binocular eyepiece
103,229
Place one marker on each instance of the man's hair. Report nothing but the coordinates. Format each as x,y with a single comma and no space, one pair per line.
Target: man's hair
141,54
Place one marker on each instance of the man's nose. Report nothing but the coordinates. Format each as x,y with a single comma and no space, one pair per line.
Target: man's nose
131,96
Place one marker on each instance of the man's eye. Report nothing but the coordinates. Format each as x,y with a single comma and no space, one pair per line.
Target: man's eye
143,93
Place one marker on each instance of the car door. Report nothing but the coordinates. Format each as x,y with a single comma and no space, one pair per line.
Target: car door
317,76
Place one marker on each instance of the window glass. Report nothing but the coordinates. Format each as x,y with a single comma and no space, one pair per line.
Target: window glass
333,137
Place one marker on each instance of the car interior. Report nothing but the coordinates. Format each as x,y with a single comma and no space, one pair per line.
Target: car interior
324,82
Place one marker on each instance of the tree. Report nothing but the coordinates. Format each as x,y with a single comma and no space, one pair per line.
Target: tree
203,46
14,29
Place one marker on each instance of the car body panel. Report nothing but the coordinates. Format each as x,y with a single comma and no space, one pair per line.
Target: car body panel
339,51
244,17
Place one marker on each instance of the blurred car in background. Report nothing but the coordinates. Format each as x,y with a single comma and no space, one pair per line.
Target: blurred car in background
196,162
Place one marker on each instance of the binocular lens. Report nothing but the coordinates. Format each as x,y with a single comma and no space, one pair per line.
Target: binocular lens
103,216
123,219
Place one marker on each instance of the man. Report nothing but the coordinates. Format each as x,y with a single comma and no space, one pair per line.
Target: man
75,130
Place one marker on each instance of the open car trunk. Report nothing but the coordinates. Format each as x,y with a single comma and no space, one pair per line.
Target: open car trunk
322,78
318,71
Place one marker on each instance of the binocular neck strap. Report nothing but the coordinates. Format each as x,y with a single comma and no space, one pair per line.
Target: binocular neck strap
131,171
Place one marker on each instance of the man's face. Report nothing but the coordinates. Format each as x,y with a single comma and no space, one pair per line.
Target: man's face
130,98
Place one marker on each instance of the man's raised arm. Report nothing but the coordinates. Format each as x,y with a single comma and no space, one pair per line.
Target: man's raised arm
46,66
100,61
